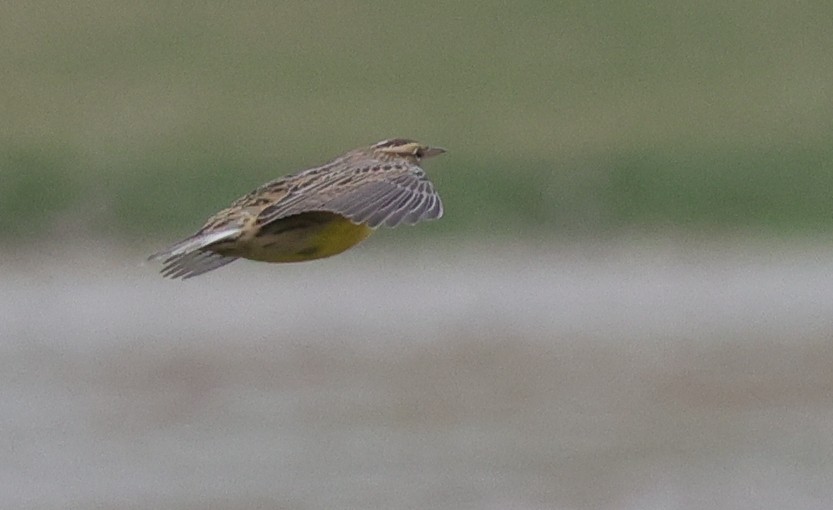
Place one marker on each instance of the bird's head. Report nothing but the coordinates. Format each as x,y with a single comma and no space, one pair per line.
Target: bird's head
402,148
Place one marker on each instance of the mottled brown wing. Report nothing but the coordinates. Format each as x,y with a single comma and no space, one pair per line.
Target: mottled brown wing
375,194
271,192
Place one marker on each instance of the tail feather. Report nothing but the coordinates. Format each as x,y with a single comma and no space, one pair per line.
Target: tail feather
194,264
190,257
194,243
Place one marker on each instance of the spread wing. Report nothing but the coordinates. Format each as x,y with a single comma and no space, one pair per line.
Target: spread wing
375,194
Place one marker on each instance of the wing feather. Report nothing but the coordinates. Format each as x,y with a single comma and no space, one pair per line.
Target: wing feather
372,207
396,217
367,193
352,204
381,215
419,209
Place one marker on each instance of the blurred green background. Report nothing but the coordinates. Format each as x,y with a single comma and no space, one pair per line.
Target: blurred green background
131,121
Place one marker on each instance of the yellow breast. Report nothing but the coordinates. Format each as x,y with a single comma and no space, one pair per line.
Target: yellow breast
306,236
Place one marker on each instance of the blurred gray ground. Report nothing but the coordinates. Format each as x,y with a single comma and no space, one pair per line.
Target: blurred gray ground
592,375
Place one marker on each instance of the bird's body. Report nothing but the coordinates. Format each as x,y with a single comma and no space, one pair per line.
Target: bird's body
315,213
305,236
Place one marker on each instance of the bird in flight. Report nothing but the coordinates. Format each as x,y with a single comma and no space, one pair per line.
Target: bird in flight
315,213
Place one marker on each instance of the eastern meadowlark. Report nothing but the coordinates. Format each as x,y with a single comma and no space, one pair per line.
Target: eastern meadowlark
315,213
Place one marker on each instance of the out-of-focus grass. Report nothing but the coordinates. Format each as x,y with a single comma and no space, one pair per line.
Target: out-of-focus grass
771,189
124,119
35,187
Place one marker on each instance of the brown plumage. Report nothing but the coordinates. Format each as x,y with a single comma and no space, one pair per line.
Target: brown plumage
314,213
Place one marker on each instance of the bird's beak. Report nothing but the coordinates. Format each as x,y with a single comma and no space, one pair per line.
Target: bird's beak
432,151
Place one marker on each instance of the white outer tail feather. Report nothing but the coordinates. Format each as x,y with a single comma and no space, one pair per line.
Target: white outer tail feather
195,243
